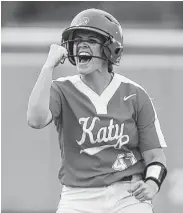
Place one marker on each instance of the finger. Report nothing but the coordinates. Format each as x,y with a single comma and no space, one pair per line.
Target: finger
64,56
148,196
65,53
138,191
142,199
136,185
140,196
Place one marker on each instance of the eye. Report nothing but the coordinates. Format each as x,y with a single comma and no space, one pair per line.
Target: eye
92,41
76,40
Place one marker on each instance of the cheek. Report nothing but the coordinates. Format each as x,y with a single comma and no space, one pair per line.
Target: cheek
97,50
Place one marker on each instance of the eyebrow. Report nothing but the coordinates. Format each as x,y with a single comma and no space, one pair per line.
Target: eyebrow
92,37
88,37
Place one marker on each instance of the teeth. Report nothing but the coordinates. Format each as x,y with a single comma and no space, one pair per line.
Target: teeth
84,53
84,57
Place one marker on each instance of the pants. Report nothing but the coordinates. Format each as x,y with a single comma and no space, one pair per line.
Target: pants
109,199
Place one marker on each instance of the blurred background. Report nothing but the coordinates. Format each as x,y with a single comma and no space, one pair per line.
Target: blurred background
153,57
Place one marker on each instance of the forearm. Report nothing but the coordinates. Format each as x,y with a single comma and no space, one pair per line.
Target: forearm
38,104
155,155
38,113
155,170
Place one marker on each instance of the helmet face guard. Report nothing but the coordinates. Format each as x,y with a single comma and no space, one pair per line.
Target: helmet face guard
69,46
102,23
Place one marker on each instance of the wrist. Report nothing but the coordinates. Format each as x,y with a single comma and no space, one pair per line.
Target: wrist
155,172
49,65
153,185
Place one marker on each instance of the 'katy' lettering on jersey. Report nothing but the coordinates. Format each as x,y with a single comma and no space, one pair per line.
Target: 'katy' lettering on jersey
104,134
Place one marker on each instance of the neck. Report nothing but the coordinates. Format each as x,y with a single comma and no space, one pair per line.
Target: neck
97,81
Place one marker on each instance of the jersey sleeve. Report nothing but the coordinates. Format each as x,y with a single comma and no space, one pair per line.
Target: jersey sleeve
150,134
55,100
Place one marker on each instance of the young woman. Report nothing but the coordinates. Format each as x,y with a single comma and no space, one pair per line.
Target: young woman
109,134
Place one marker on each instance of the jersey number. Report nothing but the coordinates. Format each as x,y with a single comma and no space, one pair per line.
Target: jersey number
123,161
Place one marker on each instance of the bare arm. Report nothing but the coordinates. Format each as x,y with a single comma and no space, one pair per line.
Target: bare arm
38,113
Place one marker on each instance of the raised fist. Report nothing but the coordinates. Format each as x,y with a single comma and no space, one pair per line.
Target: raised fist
55,55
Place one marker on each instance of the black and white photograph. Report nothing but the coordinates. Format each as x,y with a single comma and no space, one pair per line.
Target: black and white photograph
91,106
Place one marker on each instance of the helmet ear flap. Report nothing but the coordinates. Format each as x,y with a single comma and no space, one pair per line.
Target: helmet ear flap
112,51
118,50
105,50
118,54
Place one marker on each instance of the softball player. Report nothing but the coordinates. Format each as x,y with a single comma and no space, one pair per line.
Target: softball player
109,134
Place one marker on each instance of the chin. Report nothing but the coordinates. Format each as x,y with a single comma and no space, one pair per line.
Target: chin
84,71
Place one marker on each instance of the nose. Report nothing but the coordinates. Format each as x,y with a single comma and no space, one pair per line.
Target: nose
83,44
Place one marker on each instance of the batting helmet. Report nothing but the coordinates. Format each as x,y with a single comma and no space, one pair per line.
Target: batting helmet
102,23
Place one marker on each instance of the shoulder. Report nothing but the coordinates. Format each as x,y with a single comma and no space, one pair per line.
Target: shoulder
127,81
73,79
65,81
132,85
132,88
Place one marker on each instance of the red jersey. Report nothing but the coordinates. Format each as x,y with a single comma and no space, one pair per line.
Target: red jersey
102,137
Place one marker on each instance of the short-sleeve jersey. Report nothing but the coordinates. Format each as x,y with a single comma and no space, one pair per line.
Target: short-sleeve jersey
102,137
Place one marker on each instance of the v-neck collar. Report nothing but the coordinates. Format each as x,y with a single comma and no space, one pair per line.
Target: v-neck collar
99,101
89,88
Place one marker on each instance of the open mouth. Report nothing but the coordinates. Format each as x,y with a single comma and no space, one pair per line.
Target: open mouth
84,57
